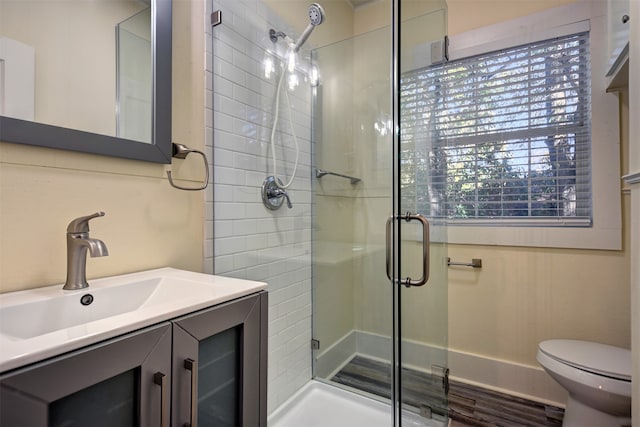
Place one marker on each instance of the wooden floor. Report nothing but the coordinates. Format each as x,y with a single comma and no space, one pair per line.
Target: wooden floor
467,405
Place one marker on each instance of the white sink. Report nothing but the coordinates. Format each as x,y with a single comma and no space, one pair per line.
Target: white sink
43,322
66,310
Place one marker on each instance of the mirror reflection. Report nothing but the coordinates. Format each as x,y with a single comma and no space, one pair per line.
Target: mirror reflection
78,64
133,77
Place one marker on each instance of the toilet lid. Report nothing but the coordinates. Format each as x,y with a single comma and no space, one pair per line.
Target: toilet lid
601,359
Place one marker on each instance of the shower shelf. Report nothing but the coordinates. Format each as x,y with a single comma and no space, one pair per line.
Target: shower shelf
320,173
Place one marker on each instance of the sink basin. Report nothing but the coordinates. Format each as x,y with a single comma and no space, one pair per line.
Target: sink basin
43,322
84,306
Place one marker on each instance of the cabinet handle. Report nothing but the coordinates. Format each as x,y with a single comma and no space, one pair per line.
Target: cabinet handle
192,365
161,379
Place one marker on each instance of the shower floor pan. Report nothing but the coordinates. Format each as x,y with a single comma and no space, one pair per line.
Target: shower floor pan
321,405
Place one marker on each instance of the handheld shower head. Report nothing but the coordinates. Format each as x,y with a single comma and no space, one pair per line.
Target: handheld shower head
316,14
316,17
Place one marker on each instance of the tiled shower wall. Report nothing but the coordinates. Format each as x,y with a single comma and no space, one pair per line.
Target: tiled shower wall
243,238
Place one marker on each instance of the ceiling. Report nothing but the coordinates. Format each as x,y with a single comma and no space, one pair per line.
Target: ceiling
358,3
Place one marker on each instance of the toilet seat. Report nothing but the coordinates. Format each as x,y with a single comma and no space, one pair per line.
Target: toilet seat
598,359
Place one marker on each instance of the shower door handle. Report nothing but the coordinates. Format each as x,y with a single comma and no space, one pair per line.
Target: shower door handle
425,249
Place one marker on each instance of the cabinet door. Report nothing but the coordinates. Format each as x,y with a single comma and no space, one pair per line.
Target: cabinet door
118,383
219,365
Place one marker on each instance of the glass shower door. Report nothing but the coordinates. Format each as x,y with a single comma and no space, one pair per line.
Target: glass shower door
422,311
371,334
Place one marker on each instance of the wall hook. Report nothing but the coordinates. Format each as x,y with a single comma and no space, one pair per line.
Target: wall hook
181,151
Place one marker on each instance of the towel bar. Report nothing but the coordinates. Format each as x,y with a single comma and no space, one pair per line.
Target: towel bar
475,263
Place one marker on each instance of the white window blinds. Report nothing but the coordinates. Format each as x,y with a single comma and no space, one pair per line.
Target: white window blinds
502,137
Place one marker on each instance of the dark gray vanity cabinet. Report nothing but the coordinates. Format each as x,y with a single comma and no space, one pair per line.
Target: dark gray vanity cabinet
207,368
109,384
219,365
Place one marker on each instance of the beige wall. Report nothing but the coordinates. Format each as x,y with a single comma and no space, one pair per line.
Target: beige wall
525,295
633,162
147,224
378,14
465,15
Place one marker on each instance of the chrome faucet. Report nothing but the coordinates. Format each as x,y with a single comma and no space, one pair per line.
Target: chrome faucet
78,243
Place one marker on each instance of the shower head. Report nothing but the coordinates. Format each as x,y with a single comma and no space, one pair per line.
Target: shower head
316,17
316,14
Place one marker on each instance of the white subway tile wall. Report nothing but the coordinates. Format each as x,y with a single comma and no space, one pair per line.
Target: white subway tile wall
243,238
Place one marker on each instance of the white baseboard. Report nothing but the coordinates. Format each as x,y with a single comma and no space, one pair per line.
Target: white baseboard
529,382
331,360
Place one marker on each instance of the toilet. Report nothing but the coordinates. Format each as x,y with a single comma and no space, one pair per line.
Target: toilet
597,377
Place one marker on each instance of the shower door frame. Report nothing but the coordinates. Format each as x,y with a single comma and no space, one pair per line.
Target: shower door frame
396,360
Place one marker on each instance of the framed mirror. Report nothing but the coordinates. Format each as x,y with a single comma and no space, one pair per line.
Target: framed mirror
86,76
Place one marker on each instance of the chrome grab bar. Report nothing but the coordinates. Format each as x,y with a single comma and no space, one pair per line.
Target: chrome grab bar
425,249
320,173
475,263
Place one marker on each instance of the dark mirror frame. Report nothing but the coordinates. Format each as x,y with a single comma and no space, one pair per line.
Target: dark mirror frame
159,151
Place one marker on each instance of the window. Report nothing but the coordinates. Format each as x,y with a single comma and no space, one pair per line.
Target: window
509,136
587,217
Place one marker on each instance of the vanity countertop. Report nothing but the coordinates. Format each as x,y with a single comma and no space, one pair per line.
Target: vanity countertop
39,323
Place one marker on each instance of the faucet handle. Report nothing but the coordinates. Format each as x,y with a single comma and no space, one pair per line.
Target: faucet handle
81,225
286,196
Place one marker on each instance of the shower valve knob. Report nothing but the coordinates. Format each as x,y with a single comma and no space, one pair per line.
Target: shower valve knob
286,196
273,196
